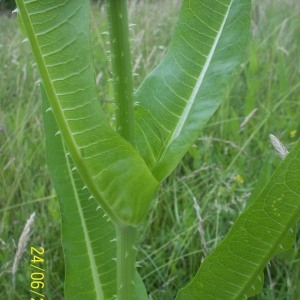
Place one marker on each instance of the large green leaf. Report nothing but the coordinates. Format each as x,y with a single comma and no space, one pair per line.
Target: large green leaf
88,237
90,268
179,96
58,32
234,269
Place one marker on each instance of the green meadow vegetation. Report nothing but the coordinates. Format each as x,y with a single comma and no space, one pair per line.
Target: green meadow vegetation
219,172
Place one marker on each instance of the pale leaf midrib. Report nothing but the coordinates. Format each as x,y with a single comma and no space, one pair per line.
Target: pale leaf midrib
191,100
58,110
91,254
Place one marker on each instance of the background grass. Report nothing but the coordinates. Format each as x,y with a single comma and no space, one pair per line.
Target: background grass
219,173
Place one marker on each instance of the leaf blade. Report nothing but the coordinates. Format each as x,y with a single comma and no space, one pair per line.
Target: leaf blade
260,232
59,36
93,275
178,97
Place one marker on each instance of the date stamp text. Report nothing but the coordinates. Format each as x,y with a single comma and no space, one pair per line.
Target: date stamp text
37,275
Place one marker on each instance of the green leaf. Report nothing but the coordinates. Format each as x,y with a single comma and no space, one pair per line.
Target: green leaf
139,288
88,236
176,100
90,268
264,229
111,168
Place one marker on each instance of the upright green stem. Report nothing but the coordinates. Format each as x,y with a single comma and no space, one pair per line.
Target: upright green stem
126,259
122,72
122,75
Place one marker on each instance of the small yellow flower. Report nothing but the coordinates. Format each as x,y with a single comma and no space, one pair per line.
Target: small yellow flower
293,133
238,178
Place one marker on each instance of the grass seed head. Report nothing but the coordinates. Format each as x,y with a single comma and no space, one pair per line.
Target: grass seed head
22,243
279,147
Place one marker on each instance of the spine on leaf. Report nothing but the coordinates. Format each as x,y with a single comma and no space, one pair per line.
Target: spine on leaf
121,63
59,37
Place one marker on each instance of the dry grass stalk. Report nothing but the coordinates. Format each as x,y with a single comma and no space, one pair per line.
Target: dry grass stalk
200,227
22,243
279,147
